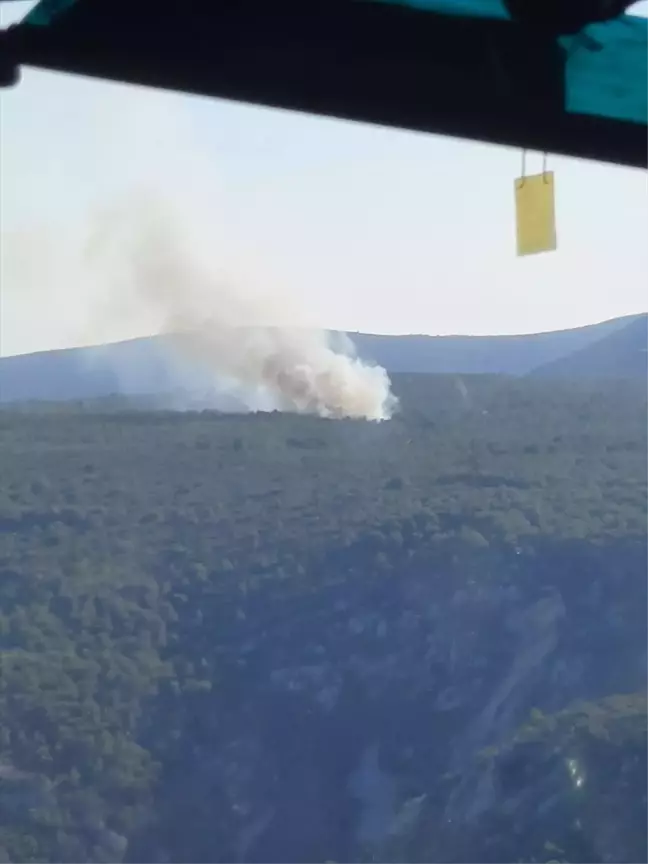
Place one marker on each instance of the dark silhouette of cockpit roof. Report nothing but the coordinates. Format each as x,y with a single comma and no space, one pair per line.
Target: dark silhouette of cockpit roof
462,68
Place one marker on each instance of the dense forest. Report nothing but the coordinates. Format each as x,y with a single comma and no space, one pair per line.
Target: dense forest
271,637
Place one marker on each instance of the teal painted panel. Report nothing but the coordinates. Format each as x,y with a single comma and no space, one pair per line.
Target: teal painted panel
464,8
46,11
612,82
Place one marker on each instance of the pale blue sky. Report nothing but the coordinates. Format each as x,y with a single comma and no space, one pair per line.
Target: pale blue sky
355,227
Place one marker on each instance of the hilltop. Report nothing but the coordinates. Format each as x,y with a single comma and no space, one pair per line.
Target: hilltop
619,354
149,365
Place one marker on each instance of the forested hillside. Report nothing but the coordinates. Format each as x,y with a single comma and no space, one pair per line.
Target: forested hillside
622,353
152,365
271,637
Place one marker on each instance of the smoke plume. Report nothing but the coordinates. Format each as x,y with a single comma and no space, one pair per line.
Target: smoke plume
119,228
152,267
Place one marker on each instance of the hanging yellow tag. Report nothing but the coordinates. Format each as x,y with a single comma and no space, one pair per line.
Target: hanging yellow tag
535,214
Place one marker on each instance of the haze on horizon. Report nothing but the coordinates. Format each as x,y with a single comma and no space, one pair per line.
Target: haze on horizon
315,222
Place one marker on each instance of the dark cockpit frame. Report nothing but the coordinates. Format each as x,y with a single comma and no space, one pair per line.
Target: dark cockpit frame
451,67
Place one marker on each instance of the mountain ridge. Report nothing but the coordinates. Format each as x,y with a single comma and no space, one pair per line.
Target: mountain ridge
147,365
621,353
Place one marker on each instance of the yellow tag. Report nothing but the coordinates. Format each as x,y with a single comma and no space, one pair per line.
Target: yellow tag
535,213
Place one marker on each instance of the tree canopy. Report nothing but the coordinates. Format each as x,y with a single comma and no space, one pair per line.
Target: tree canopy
178,591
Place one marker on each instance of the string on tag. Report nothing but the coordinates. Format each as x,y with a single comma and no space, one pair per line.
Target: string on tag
523,169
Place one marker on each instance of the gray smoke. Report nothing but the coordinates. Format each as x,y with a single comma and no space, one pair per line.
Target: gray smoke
126,233
153,268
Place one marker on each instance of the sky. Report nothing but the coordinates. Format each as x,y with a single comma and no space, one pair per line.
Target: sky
333,224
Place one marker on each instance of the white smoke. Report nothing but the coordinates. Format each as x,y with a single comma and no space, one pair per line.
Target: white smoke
152,266
128,235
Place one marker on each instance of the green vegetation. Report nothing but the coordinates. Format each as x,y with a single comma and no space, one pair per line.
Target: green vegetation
163,576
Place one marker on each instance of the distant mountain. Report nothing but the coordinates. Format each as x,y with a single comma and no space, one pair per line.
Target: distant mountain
149,365
512,355
621,354
137,366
